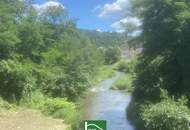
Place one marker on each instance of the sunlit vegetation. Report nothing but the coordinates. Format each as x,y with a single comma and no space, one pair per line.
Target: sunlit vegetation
123,83
163,66
102,73
46,63
106,39
4,105
126,66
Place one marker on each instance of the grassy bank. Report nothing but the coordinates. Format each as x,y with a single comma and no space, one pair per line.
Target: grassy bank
102,73
123,83
57,108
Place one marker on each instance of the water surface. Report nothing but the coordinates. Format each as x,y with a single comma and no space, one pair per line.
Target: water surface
105,104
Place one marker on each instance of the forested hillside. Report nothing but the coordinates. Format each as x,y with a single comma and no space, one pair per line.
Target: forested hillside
106,39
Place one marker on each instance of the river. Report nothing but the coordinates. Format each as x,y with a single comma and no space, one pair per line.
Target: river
110,105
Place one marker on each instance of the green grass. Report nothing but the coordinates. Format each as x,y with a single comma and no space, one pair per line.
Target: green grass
102,73
4,105
60,108
123,83
55,107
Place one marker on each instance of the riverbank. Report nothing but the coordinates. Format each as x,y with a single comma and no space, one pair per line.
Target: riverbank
102,73
123,83
47,109
42,114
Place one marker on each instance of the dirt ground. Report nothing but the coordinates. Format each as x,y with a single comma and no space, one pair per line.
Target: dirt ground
29,120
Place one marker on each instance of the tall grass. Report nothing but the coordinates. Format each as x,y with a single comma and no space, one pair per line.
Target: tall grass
54,107
102,73
123,83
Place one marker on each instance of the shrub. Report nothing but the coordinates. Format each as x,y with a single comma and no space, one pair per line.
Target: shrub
127,66
112,55
36,101
123,83
60,108
122,66
4,105
166,115
16,80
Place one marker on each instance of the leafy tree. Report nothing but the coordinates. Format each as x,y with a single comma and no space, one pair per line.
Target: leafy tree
112,55
164,62
43,51
8,37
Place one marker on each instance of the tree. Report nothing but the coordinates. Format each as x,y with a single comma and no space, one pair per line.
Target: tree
112,55
8,37
164,62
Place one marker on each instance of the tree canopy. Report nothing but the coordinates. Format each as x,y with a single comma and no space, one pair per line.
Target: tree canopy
164,63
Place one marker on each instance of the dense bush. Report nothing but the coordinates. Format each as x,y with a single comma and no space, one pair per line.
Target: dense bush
122,65
57,82
166,115
112,55
163,64
43,52
123,83
60,108
16,80
4,105
127,66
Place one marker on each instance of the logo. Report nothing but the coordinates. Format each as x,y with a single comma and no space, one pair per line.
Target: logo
95,125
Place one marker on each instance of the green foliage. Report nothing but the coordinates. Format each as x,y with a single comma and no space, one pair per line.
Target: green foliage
105,39
166,115
8,37
45,61
127,66
36,101
16,80
60,108
55,107
5,105
163,64
123,83
43,52
122,65
165,57
31,39
102,73
112,55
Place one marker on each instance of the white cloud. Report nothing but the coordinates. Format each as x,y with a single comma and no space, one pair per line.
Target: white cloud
44,6
113,9
99,30
119,25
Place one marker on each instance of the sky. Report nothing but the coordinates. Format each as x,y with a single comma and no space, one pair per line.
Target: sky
100,15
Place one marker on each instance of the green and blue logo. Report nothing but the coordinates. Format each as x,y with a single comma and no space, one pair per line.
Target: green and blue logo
95,125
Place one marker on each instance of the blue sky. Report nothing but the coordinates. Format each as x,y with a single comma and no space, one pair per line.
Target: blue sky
105,15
